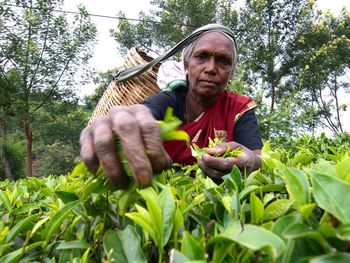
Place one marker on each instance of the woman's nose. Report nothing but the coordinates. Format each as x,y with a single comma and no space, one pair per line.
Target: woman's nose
210,66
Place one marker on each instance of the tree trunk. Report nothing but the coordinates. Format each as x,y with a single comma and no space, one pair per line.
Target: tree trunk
29,157
3,158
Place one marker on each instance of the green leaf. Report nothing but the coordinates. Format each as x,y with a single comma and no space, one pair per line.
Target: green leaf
4,247
23,224
38,225
98,185
233,180
66,197
191,248
343,232
252,237
168,127
125,246
300,230
306,210
247,190
282,223
256,209
58,218
167,206
177,257
270,158
75,244
5,201
297,184
85,257
332,258
277,209
24,209
143,218
154,213
16,255
332,195
80,170
343,168
177,135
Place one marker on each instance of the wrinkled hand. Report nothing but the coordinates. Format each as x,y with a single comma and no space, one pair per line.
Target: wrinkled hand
216,167
139,135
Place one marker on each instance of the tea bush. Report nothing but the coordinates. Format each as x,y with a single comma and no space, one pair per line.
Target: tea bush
294,209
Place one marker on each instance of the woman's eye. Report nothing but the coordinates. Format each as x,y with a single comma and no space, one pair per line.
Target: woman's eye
224,61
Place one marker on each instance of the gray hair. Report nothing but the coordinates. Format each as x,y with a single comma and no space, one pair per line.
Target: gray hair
188,50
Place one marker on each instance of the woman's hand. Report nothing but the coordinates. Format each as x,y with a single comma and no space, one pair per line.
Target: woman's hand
216,167
139,135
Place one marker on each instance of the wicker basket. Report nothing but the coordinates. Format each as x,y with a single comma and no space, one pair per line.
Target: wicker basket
131,91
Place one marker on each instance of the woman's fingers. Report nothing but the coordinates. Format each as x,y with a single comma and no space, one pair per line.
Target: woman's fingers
152,141
105,148
127,130
139,136
87,150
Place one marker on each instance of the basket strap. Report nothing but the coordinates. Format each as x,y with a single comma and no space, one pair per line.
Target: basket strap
139,69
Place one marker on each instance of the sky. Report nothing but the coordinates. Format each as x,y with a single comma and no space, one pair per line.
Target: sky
105,51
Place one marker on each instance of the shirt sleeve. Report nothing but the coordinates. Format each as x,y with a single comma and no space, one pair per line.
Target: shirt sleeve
158,104
247,131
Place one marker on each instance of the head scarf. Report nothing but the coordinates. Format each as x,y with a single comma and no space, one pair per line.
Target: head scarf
139,69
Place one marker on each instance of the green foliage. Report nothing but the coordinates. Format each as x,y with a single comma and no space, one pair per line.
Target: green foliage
14,149
41,53
102,79
169,22
57,157
293,60
294,209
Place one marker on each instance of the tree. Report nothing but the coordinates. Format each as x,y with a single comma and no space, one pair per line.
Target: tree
324,73
272,55
170,21
43,51
268,30
56,144
102,79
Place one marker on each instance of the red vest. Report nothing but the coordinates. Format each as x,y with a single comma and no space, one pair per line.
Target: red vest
216,122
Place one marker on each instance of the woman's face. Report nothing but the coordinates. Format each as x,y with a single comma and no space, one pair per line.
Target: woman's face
210,65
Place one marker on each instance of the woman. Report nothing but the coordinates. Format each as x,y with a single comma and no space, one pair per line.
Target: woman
205,107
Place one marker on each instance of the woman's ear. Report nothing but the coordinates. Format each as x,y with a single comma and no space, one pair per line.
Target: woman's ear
186,67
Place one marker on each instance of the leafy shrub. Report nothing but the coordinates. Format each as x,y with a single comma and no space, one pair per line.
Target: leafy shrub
294,209
15,152
58,158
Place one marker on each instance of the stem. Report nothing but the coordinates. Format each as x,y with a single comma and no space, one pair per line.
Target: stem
161,252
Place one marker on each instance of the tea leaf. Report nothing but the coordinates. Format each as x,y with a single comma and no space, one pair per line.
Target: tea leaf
191,248
85,257
16,255
74,244
143,218
177,257
58,218
256,208
67,197
125,246
332,258
5,201
38,224
343,168
177,135
284,222
332,194
297,184
20,226
276,209
166,203
252,237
